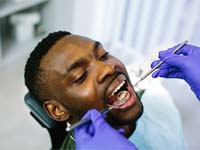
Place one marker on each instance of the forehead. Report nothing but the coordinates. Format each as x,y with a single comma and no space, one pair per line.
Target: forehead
65,51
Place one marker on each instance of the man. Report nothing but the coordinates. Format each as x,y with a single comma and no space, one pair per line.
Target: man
182,65
72,74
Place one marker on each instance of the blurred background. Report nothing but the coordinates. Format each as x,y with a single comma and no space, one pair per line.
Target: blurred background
132,30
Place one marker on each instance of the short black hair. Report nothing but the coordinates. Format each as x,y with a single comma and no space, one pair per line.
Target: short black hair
32,72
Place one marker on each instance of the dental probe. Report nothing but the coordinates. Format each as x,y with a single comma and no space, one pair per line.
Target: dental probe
159,64
88,119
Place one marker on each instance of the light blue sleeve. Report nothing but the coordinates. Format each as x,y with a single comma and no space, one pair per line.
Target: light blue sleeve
160,126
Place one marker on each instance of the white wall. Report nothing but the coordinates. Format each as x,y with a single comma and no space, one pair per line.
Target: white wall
140,24
88,18
57,15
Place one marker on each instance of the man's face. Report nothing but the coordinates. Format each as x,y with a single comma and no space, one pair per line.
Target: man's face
82,75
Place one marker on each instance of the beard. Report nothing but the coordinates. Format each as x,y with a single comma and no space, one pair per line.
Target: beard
78,114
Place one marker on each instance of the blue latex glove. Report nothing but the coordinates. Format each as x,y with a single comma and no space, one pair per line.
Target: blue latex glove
98,135
185,66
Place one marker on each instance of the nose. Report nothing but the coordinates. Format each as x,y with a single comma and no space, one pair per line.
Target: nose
104,70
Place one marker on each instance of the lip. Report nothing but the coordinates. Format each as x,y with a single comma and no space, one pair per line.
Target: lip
114,84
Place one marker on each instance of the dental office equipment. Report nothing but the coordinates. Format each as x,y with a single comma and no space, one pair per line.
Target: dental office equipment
103,112
159,64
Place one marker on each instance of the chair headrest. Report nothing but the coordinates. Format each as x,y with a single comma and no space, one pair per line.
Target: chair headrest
39,113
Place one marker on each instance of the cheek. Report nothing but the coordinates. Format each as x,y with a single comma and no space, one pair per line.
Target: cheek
82,98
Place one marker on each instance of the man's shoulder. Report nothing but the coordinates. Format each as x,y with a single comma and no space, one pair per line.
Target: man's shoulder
68,143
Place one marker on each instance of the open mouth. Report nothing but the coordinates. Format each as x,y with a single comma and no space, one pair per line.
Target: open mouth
120,92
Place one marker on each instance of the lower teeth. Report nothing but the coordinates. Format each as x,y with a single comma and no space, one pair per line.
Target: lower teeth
123,95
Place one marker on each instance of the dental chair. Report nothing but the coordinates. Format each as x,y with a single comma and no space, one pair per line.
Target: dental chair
55,129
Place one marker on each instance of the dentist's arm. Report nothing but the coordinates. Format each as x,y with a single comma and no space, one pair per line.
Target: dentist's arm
98,135
185,64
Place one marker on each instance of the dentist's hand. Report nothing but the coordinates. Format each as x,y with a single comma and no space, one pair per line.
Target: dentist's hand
185,64
98,135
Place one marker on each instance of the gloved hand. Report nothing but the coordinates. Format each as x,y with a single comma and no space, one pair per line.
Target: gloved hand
98,135
185,64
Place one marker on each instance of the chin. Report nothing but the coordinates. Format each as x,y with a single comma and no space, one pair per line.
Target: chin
125,117
132,115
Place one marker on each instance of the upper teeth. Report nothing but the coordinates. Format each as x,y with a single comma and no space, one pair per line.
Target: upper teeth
118,87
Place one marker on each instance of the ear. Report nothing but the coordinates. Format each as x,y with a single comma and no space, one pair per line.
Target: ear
56,110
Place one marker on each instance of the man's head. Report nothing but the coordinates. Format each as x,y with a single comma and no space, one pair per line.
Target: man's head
72,74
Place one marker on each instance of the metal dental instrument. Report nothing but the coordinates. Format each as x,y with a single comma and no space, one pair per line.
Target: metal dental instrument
159,64
86,120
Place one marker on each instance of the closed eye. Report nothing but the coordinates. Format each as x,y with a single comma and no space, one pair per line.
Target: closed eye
104,56
81,78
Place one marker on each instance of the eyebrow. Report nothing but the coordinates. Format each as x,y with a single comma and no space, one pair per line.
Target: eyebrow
77,63
96,45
